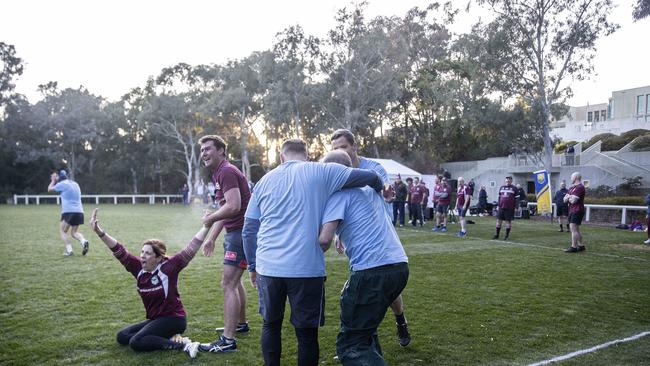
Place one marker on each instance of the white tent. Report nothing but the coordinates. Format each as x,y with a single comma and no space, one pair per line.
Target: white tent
393,168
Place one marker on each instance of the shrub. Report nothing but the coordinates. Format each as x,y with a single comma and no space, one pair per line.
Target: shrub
562,146
632,134
601,191
626,201
642,143
531,197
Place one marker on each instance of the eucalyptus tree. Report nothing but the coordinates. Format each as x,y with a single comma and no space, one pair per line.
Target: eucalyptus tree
541,46
12,66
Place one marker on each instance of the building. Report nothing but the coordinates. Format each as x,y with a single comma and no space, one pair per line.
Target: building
626,110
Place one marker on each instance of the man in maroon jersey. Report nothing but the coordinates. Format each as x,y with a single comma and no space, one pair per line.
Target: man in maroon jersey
232,194
417,192
506,205
462,205
576,200
443,195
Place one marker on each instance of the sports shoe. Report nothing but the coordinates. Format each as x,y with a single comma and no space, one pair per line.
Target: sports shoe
560,231
495,237
191,349
68,254
84,247
647,241
461,234
221,345
435,229
444,229
403,335
505,238
571,250
581,248
241,328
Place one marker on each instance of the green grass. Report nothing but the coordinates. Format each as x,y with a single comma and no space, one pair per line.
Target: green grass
469,301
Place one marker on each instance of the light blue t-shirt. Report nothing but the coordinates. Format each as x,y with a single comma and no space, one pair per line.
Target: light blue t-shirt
70,196
289,202
365,163
366,231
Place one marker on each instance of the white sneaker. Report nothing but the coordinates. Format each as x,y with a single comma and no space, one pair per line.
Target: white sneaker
647,241
191,349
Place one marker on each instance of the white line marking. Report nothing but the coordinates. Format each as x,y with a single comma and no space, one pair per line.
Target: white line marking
589,350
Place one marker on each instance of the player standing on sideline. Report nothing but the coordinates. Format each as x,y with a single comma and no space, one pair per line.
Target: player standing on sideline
647,218
157,283
462,205
378,267
232,194
409,186
561,208
425,200
442,193
281,242
415,205
506,203
72,212
344,140
401,192
576,200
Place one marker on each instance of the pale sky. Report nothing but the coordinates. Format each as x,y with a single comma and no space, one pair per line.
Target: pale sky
112,46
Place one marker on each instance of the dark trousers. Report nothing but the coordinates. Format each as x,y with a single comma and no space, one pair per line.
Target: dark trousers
398,211
307,300
647,224
151,335
415,211
364,300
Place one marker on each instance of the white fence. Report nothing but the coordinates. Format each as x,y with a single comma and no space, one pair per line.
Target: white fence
624,209
134,198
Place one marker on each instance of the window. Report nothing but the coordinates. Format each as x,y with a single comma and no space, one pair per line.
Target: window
640,104
603,115
596,116
647,104
590,117
493,184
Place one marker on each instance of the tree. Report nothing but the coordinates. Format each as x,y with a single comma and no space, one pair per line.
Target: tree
540,45
11,66
641,10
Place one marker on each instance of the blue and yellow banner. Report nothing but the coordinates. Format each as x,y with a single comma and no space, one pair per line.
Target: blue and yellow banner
543,192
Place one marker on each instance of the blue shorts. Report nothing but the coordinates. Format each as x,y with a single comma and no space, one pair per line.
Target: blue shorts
306,299
233,250
461,212
442,209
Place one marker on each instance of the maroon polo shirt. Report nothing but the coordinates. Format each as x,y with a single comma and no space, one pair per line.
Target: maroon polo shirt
443,188
462,194
225,178
158,289
579,191
507,195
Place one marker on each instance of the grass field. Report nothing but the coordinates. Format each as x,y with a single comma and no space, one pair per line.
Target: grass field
469,301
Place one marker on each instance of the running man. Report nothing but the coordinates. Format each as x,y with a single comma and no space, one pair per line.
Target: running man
72,211
506,203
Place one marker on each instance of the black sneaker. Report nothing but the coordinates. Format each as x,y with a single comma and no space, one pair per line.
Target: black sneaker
403,335
495,237
84,247
571,250
581,248
505,237
221,345
241,328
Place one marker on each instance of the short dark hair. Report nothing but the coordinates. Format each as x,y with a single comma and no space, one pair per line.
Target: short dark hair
338,156
345,133
217,140
296,146
409,179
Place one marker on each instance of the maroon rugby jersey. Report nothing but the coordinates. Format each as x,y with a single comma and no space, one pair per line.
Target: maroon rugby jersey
507,196
159,288
579,191
226,178
443,188
462,193
417,193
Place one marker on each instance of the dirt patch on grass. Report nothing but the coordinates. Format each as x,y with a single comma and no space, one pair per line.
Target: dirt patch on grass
636,247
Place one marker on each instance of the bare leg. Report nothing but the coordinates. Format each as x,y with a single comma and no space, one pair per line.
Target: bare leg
76,234
397,306
63,231
230,283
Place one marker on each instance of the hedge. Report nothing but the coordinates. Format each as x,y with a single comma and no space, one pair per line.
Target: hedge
618,201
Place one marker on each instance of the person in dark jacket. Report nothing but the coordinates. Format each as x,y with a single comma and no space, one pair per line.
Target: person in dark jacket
647,218
561,208
482,201
401,193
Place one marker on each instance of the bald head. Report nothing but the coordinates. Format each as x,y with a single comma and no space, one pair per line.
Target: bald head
338,156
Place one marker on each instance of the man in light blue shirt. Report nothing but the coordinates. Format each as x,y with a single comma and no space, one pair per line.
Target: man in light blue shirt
378,267
343,139
72,212
280,237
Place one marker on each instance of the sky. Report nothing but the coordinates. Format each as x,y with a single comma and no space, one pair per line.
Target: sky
112,46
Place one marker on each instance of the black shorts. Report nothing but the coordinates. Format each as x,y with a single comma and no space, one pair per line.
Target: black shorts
562,210
576,217
506,214
73,218
461,212
442,209
233,250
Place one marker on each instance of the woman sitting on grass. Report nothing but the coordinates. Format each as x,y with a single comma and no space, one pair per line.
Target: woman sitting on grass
157,280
